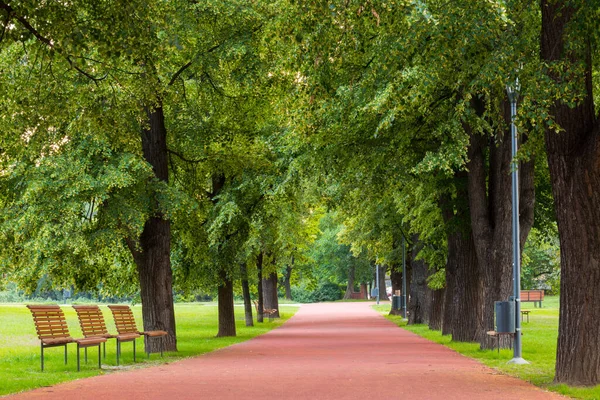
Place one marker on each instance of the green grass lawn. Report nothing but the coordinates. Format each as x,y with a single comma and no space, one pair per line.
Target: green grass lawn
539,348
197,325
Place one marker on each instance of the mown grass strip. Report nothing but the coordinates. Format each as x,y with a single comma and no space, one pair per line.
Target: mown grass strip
539,348
197,325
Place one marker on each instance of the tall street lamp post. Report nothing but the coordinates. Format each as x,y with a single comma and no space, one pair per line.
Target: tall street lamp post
404,297
513,95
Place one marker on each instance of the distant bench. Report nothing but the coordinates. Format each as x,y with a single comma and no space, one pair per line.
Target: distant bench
534,296
269,312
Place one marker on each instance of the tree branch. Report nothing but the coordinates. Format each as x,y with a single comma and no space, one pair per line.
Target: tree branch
183,158
179,72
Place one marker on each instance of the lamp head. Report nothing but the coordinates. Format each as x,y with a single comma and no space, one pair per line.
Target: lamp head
513,90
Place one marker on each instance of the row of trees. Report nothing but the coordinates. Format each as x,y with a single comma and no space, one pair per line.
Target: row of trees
189,144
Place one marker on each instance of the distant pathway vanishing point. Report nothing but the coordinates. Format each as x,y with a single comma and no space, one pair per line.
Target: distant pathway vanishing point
326,351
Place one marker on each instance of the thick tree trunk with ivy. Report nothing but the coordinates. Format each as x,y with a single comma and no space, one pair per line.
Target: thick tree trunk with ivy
350,285
490,203
574,161
270,294
152,251
420,294
246,295
260,301
436,311
225,304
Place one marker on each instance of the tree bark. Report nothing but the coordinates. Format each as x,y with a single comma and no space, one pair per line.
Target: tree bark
151,252
382,289
350,285
574,161
287,281
420,294
270,294
226,309
466,302
465,299
436,311
491,217
246,294
260,300
396,278
448,302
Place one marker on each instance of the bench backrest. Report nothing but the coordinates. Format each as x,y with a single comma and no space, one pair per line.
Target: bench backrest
91,321
50,322
124,320
532,295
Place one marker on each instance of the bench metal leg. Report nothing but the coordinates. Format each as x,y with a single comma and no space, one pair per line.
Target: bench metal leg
85,349
133,350
100,358
118,350
78,357
42,348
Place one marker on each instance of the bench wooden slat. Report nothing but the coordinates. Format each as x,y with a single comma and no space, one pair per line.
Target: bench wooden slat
52,330
126,325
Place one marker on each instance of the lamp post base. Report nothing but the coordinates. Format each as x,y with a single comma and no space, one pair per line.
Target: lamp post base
518,361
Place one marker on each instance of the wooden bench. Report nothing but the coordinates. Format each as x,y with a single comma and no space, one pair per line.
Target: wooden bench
127,328
496,335
525,313
92,323
534,296
52,330
269,312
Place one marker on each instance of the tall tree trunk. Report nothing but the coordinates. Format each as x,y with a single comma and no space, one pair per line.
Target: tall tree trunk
448,304
436,311
491,217
382,289
396,278
350,285
287,280
152,251
261,299
465,299
246,294
467,292
270,294
226,309
420,294
574,161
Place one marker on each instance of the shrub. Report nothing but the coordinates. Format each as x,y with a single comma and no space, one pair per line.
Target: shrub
325,291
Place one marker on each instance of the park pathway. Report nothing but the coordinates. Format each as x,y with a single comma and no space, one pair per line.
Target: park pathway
326,351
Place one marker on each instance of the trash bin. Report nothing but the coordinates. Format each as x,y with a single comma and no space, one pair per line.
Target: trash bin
374,292
397,302
505,316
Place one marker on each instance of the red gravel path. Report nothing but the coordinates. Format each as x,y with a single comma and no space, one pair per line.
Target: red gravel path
326,351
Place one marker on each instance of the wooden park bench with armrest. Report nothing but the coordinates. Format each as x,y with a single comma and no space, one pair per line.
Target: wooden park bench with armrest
269,312
52,330
125,323
534,296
